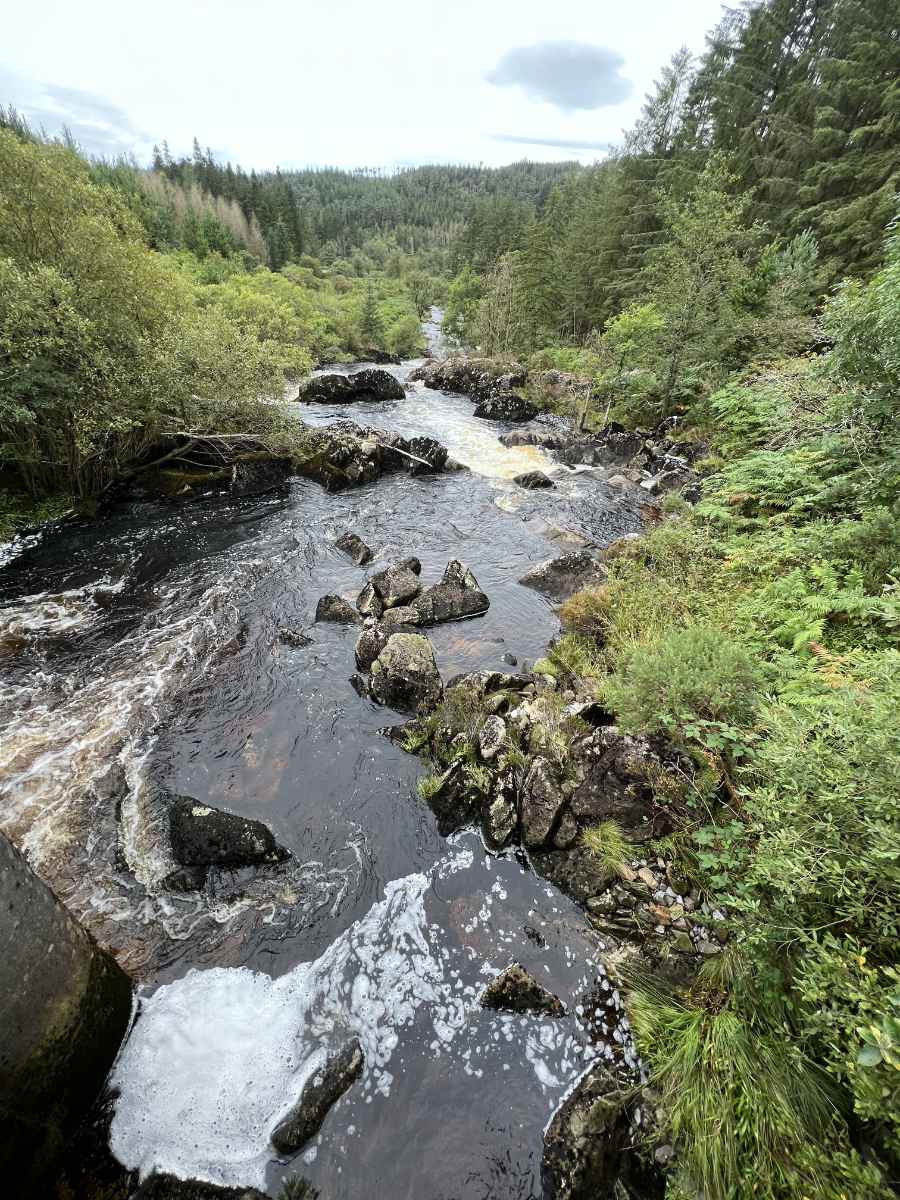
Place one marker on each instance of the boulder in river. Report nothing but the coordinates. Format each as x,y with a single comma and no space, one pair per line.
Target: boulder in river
355,548
541,802
405,676
338,610
65,1006
397,584
514,990
458,595
532,480
507,406
560,578
428,455
369,384
203,836
322,1090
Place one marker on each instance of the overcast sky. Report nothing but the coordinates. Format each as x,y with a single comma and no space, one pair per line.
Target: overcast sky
344,82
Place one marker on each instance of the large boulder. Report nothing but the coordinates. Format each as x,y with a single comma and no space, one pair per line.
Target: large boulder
585,1141
203,836
476,377
532,480
506,406
397,584
458,595
369,384
560,578
514,990
338,610
405,676
322,1090
65,1006
427,455
620,783
541,803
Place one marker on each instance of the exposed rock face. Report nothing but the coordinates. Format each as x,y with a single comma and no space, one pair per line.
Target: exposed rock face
491,738
585,1142
532,480
405,675
336,609
560,578
505,406
322,1090
541,803
355,548
170,1187
458,595
370,644
500,815
207,837
399,618
455,802
514,990
618,784
65,1006
369,384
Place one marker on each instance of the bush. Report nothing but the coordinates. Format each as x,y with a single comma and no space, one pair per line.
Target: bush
586,613
692,683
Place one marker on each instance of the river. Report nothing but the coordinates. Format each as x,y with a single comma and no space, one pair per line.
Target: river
141,657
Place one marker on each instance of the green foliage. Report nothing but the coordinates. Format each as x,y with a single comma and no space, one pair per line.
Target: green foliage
692,684
572,657
607,842
586,613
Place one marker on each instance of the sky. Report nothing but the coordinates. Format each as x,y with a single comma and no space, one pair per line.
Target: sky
346,83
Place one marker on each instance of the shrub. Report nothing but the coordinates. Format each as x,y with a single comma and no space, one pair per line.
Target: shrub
586,613
689,684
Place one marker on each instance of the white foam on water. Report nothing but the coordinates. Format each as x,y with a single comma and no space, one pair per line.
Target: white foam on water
218,1057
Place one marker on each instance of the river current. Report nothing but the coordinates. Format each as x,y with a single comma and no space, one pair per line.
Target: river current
141,656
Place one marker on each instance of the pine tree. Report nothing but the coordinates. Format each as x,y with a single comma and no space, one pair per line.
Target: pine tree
371,326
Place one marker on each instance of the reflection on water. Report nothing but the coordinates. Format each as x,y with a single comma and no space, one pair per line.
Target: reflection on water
141,656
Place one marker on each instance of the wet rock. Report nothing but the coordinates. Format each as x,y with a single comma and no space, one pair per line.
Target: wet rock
476,377
576,871
431,452
405,676
368,384
324,1088
170,1187
336,609
355,548
485,683
202,836
397,584
370,644
368,602
540,435
500,816
505,406
294,637
514,990
185,880
534,480
510,660
402,618
560,578
585,1142
491,738
65,1006
541,802
454,802
567,832
458,595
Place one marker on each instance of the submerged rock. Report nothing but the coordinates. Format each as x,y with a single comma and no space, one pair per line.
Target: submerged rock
170,1187
514,990
336,609
585,1141
560,578
203,836
458,595
532,480
355,548
294,637
405,675
368,384
324,1088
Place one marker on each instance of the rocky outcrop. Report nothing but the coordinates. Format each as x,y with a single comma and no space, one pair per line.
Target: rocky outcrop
458,595
514,990
397,584
560,578
479,378
345,454
369,384
620,776
337,610
404,676
202,836
355,548
541,803
321,1091
65,1006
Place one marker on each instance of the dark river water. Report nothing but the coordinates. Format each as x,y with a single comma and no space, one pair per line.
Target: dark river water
141,657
